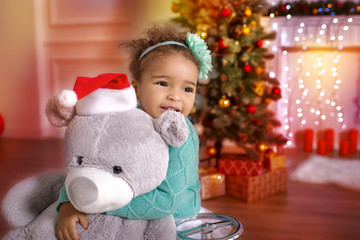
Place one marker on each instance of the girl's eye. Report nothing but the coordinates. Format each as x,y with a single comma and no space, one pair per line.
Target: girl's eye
189,90
162,83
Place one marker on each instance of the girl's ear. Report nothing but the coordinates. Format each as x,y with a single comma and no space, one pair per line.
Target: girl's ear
135,84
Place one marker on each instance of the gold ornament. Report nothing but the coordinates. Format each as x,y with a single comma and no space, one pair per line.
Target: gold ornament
211,151
247,12
258,87
262,147
224,102
175,7
246,30
259,70
202,34
254,23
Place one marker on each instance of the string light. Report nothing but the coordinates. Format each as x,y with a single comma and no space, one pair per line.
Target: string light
324,105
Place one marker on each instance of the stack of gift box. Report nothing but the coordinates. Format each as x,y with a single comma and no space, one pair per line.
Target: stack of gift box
245,179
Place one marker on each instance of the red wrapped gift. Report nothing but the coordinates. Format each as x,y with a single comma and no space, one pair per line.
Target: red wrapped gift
250,189
238,165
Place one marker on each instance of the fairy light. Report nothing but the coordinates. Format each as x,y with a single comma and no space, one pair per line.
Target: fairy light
312,109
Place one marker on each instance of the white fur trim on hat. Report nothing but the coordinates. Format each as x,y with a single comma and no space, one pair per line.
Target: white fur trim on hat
67,98
104,100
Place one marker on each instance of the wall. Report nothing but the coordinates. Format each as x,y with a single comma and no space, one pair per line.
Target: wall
46,44
18,86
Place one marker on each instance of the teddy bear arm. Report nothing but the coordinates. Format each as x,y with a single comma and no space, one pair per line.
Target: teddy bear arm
172,127
28,198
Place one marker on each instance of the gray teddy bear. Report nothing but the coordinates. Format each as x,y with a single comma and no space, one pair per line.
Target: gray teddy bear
112,155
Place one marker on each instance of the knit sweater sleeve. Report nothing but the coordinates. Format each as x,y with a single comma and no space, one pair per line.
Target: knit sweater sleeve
63,197
178,194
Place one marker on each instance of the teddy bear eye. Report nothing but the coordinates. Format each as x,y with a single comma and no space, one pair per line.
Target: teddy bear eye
79,160
117,169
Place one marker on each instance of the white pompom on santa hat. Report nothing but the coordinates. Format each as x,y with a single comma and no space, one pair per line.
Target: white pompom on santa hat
106,93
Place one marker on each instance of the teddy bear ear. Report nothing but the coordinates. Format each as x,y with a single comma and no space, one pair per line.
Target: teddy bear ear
172,127
60,109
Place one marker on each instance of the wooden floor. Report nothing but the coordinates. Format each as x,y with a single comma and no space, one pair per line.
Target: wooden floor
306,211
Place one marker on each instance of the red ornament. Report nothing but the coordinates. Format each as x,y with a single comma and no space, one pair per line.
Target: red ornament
258,43
269,151
2,125
247,68
276,91
283,8
251,108
222,44
225,12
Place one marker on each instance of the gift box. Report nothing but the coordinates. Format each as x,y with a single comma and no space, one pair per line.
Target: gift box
274,160
212,184
250,189
238,165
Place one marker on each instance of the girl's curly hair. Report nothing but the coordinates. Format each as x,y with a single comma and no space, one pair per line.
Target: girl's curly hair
152,36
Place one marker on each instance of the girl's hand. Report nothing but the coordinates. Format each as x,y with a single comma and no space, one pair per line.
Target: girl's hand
67,219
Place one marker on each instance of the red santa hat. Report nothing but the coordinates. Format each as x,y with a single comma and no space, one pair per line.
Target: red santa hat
105,93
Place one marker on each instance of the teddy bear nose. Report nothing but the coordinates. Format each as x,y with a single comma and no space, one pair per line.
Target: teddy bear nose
83,191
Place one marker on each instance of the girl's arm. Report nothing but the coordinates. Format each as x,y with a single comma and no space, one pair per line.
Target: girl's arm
178,194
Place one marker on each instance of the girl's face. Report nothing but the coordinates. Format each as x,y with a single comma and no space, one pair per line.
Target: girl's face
167,83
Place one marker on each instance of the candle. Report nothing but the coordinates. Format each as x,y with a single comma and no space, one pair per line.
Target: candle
344,148
352,136
321,147
329,138
308,140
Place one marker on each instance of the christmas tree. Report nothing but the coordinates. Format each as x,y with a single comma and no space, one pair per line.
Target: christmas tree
233,102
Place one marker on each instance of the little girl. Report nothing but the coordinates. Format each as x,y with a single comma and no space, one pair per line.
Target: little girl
165,66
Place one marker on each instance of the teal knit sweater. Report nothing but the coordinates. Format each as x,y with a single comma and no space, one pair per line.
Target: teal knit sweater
178,194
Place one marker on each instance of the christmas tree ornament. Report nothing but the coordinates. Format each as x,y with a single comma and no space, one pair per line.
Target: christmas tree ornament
251,108
267,100
202,34
258,87
276,91
175,8
259,70
247,12
269,151
247,68
259,43
223,44
261,147
211,151
254,24
225,12
224,102
246,30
